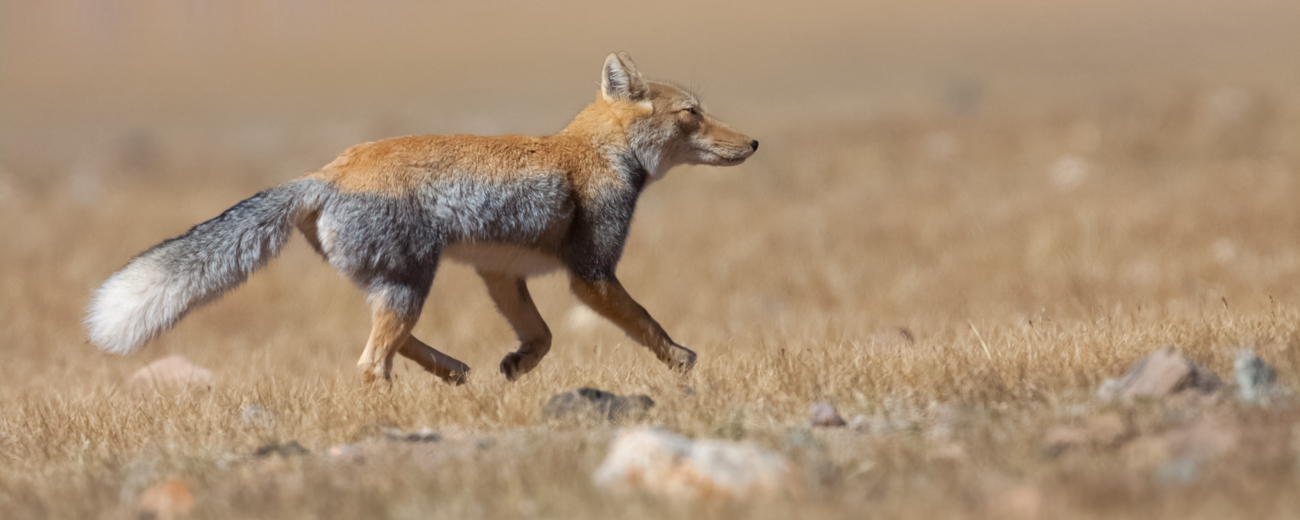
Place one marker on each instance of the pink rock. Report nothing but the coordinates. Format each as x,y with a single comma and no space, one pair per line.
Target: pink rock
824,415
1164,372
656,461
171,373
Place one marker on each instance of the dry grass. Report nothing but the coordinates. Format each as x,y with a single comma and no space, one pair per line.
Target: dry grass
789,276
1074,234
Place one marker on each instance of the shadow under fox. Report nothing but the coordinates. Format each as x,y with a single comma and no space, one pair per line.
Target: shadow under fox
386,213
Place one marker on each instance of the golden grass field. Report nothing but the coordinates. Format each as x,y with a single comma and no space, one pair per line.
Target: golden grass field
1038,211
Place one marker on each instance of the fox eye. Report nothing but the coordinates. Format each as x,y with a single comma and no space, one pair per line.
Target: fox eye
693,110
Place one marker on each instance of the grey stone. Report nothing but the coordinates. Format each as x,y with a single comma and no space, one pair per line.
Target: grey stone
1255,379
593,403
286,450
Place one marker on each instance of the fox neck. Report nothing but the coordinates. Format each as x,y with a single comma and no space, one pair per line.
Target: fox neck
610,131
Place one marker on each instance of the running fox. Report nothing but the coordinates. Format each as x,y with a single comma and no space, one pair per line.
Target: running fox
385,213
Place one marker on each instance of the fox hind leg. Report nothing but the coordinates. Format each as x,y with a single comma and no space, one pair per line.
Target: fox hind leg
395,307
437,363
510,293
390,330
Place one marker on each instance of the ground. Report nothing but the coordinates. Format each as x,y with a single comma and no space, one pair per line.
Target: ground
956,278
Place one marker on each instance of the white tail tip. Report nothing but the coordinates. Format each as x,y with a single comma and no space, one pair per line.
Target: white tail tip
132,307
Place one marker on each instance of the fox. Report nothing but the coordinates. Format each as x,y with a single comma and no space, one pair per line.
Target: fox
384,214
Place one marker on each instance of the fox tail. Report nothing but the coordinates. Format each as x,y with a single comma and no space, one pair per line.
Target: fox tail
164,283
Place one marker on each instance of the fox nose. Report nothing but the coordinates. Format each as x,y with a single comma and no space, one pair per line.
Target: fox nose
754,145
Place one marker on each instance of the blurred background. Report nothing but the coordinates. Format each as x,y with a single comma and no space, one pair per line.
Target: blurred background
93,94
924,163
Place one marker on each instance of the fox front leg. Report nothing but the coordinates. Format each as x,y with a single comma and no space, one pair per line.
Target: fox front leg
510,293
608,298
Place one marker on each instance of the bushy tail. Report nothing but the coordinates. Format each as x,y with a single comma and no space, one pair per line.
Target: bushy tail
170,279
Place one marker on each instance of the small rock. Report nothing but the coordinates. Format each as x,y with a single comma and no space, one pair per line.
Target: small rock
656,461
421,435
286,450
1254,377
1164,372
590,402
166,500
171,373
825,416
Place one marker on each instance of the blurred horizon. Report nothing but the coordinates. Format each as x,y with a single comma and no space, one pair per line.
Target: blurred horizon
88,86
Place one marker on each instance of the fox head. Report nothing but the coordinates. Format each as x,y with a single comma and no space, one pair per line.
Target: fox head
665,124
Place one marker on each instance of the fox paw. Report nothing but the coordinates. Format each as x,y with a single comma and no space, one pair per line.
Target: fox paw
515,365
456,377
681,359
372,374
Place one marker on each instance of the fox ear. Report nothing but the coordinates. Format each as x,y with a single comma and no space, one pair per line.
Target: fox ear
621,80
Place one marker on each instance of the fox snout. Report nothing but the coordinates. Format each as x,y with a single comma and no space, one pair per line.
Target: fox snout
724,147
